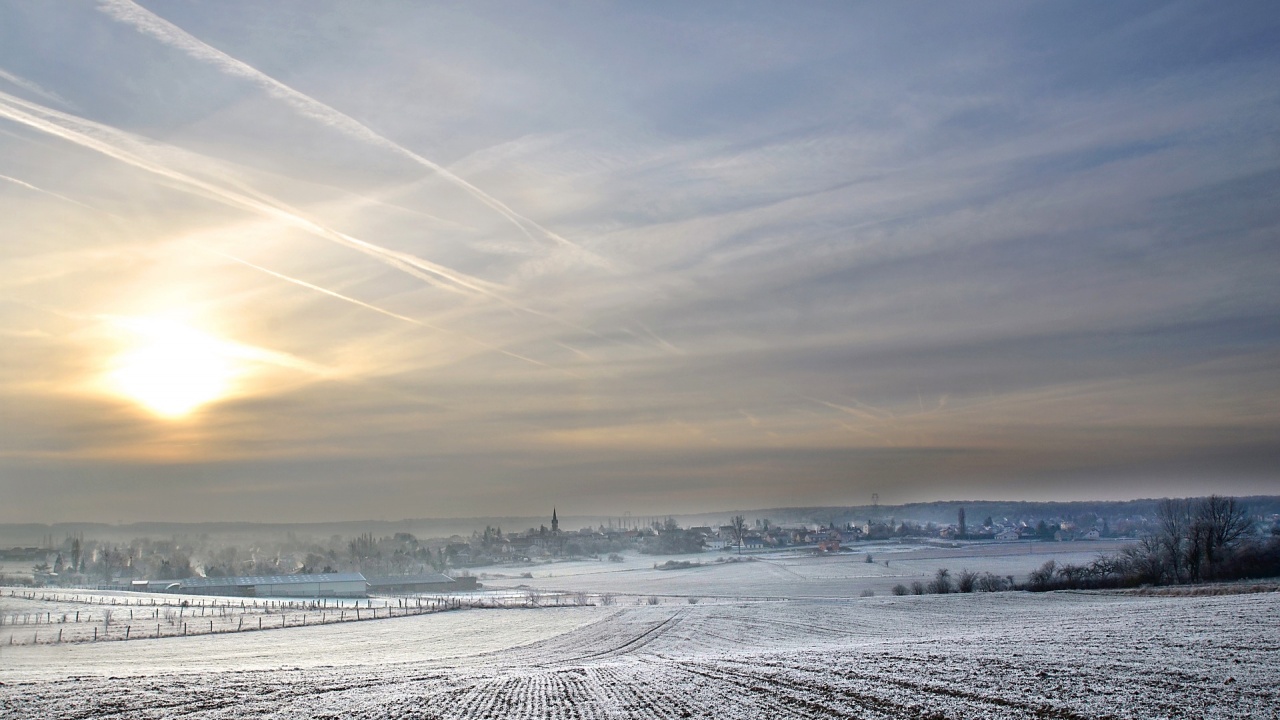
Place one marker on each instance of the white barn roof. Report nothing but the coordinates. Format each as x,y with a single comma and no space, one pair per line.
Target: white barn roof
242,581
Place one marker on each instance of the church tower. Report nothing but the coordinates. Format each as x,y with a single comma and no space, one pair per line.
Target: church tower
555,522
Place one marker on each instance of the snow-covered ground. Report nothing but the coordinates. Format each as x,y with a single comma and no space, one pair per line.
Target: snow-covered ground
792,574
45,616
1063,655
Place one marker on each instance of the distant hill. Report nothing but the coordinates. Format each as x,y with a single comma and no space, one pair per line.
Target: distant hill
946,511
942,512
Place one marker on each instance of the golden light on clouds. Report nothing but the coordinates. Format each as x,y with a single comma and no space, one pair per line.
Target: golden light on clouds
534,283
172,370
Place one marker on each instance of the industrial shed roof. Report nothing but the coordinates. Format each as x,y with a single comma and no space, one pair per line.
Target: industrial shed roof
243,581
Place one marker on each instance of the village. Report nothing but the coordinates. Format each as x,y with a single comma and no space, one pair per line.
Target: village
337,566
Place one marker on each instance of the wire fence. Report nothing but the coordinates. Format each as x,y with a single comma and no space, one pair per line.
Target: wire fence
77,617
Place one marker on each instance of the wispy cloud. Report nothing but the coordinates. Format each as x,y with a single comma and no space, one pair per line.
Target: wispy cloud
147,22
375,308
50,193
636,258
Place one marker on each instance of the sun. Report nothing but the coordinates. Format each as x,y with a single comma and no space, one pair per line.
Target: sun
172,370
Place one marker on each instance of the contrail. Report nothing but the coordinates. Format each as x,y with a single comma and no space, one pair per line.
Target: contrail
856,412
64,198
661,342
375,308
151,24
34,88
317,288
89,134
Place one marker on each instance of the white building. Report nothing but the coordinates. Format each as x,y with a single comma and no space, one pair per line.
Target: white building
303,586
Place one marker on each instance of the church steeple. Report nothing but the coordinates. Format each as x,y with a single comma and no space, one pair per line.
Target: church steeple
555,522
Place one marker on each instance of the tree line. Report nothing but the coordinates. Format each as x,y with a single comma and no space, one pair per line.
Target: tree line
1202,540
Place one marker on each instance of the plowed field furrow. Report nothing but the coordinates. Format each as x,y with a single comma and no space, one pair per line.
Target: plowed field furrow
931,693
1064,657
810,702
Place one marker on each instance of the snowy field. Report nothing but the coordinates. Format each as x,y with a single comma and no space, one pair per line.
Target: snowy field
792,574
1059,655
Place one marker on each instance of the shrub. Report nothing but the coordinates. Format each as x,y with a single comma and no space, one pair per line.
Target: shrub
900,589
869,593
990,583
941,582
1041,579
917,588
652,600
966,581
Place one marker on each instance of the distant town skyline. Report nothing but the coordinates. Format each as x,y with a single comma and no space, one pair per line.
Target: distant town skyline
324,261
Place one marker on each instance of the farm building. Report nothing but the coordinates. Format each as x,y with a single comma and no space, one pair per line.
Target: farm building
424,582
306,586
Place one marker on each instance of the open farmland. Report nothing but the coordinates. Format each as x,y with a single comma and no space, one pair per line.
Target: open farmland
1064,655
790,574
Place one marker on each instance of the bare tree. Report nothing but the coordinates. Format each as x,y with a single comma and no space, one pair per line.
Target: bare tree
1191,538
739,530
1173,533
990,583
941,582
1144,562
1222,523
1042,578
1073,576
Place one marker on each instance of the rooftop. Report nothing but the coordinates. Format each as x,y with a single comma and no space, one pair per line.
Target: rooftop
242,581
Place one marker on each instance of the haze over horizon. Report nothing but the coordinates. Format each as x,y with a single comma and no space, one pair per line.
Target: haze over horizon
295,262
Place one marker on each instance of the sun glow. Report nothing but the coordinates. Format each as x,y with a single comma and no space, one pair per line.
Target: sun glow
172,370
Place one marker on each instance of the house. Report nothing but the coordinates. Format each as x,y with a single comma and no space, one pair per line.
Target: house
1008,534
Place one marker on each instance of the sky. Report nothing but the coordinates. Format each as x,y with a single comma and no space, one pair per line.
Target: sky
304,261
